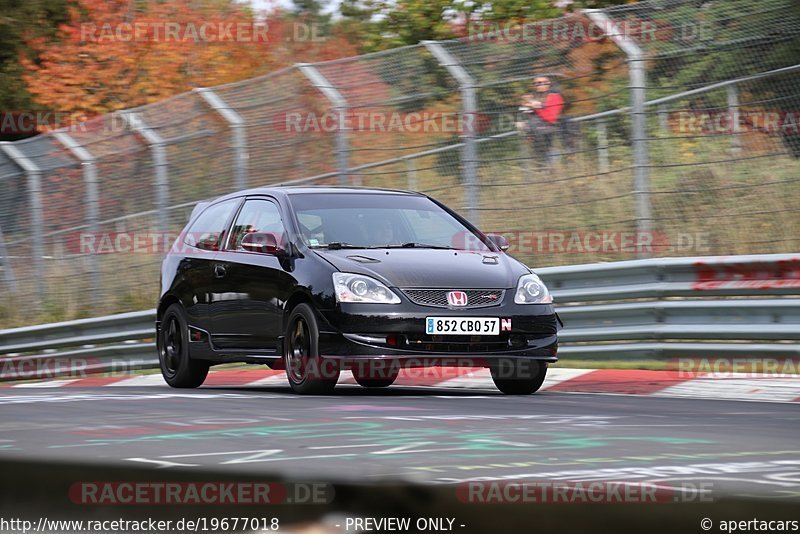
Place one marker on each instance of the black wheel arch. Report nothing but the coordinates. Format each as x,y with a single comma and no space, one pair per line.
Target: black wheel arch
165,302
303,296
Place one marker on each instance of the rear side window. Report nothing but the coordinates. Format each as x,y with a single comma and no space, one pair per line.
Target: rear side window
208,231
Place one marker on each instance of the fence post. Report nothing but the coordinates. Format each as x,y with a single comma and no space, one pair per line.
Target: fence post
638,87
34,176
89,165
411,174
157,146
733,119
663,119
239,136
5,262
602,146
469,109
339,105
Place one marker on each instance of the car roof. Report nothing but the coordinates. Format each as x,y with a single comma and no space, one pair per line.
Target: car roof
317,189
301,189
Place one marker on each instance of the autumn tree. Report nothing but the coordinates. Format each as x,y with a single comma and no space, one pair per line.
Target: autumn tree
115,54
96,64
21,21
380,24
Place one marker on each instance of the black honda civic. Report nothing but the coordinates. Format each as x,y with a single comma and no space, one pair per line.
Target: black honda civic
316,280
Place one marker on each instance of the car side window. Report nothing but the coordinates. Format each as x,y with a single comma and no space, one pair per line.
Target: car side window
257,215
208,231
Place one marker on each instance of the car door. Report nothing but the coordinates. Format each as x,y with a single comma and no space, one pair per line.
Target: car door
247,312
201,243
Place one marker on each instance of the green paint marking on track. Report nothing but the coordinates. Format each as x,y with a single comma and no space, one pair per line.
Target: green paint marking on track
318,430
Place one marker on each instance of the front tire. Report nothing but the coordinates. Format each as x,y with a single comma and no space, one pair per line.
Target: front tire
308,374
177,368
519,377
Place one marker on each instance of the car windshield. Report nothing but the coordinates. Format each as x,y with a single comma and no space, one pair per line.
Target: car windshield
379,221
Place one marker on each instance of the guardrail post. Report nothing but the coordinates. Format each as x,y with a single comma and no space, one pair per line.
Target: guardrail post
638,86
469,109
734,119
239,136
89,164
339,105
34,176
602,146
157,146
5,262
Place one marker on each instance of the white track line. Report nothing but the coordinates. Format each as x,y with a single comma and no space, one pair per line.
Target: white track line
47,384
786,389
278,379
556,375
144,380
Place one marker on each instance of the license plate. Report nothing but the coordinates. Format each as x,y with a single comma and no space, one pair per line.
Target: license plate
484,326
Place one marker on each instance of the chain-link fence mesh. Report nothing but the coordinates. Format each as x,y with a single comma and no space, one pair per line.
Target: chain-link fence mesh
397,103
723,169
714,171
280,147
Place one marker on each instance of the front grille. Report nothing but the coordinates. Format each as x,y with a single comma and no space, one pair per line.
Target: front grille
437,298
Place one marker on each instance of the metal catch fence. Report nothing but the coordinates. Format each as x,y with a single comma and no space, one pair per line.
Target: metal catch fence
680,138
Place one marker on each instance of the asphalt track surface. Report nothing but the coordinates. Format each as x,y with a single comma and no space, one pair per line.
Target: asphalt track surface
419,434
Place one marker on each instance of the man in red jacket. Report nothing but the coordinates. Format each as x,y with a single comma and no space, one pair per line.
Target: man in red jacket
541,111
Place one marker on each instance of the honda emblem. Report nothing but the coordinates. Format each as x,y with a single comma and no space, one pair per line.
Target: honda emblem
457,298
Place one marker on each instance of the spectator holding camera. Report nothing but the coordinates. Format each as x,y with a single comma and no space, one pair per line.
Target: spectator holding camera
541,111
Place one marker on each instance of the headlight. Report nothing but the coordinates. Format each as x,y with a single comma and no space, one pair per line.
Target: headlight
531,290
359,288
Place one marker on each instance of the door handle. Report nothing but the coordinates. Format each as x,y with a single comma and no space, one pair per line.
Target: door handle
220,270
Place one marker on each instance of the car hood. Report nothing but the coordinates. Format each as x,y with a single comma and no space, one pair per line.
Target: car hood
456,269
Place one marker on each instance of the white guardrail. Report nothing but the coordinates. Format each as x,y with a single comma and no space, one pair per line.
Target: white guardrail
642,309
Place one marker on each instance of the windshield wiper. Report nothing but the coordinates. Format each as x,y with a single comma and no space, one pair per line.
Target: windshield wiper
419,245
338,245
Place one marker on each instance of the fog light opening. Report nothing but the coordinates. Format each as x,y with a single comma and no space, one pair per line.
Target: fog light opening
518,340
196,335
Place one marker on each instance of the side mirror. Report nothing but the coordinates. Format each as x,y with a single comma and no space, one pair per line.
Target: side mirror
500,241
264,243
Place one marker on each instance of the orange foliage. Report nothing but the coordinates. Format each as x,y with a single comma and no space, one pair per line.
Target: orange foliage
116,54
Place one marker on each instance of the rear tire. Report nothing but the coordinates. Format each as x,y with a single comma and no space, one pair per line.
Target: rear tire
519,377
177,368
375,379
308,374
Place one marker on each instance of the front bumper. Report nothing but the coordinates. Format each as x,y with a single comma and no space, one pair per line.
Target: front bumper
375,331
